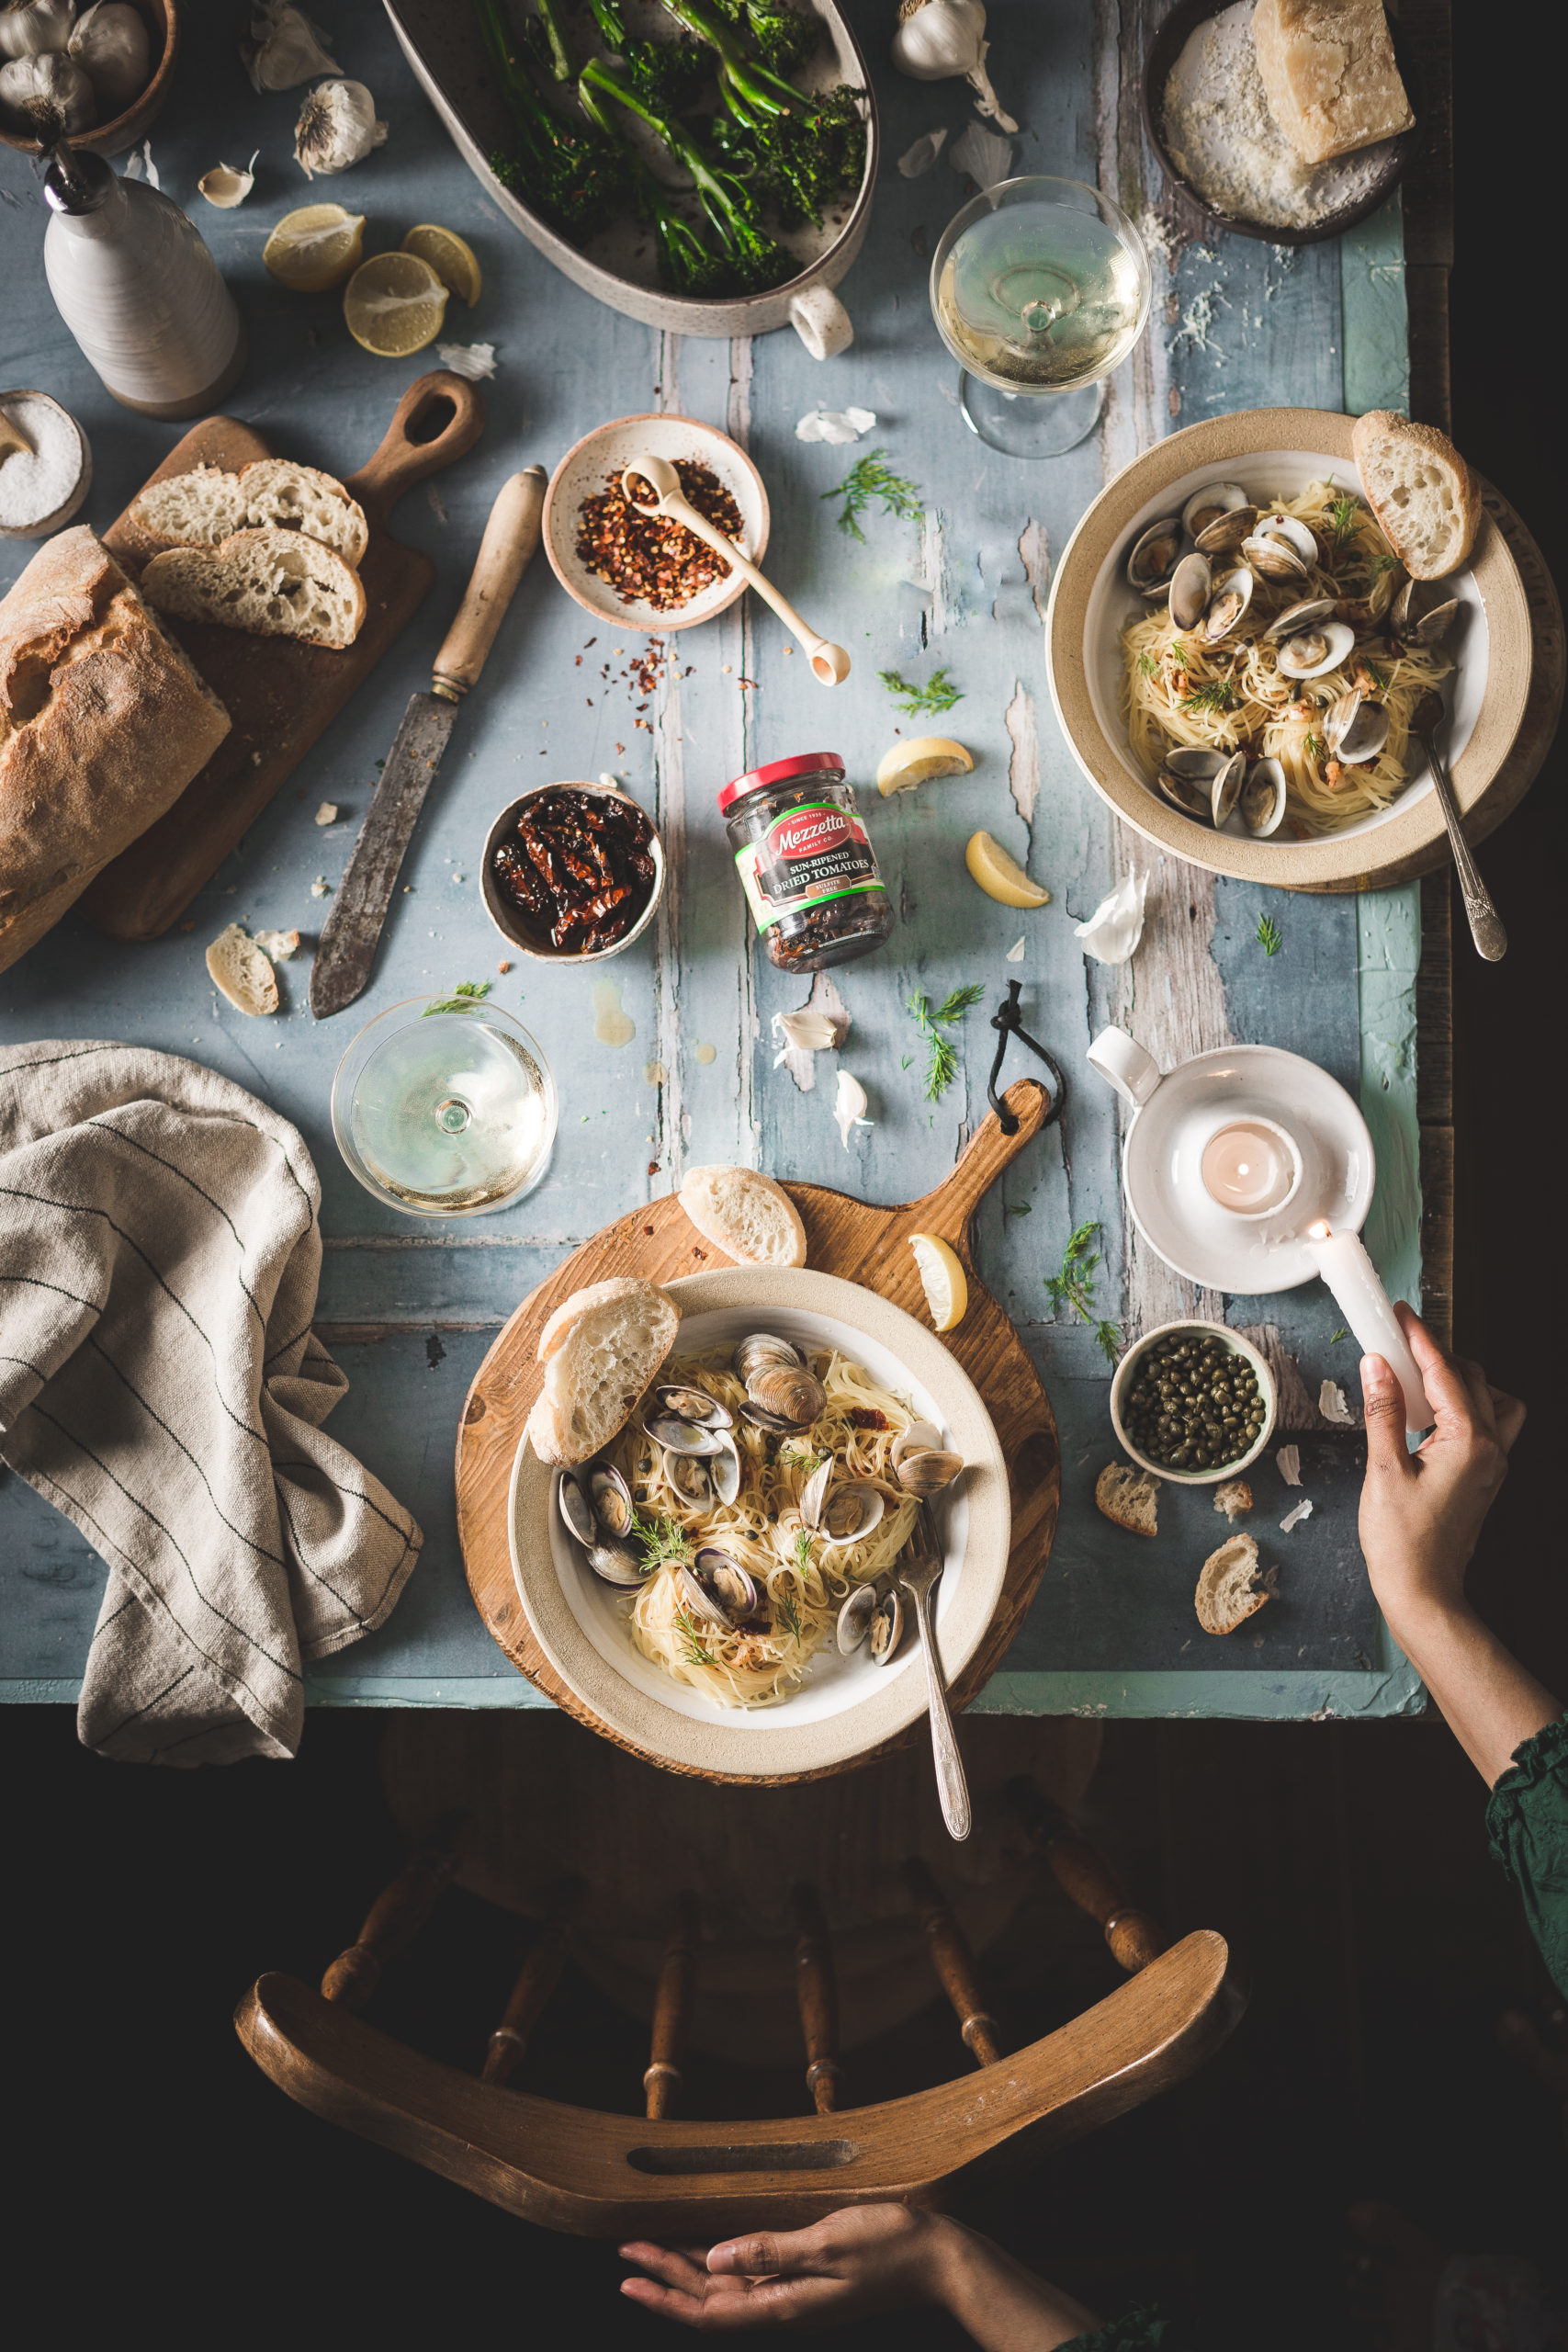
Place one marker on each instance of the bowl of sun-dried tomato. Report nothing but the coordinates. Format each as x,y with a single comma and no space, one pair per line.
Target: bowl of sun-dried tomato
646,571
572,872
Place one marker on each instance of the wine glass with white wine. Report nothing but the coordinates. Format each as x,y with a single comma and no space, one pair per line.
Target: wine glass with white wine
444,1106
1039,289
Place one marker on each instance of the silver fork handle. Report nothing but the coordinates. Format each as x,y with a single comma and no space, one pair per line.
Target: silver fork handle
952,1786
1485,924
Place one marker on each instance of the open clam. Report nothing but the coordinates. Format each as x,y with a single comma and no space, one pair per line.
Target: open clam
886,1628
1226,608
681,1437
611,1500
1262,801
929,1471
1355,728
1416,622
1307,652
695,1405
854,1618
1225,790
576,1510
1192,585
618,1564
1210,505
1154,555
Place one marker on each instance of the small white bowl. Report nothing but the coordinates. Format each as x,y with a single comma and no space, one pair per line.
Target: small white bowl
603,455
511,922
1238,1345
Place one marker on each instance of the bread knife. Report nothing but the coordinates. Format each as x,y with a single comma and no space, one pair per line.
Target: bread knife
345,953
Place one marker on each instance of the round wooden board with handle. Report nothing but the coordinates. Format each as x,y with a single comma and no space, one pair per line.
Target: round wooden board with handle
843,1237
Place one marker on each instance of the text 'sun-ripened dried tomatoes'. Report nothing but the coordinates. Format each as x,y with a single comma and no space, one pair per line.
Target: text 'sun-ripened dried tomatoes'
806,863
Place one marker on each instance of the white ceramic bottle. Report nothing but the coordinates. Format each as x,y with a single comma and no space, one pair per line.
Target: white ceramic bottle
139,290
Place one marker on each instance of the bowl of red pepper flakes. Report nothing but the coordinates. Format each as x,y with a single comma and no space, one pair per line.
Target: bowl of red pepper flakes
573,873
645,571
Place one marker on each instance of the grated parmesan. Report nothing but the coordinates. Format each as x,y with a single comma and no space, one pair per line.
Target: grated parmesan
1222,137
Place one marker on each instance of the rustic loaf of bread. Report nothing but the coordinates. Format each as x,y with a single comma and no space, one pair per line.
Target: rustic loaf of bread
104,721
279,583
205,504
1328,73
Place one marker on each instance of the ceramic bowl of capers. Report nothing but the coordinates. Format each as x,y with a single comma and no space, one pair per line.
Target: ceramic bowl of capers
1193,1402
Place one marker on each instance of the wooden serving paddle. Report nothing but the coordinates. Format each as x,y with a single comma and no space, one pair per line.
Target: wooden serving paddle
844,1236
281,695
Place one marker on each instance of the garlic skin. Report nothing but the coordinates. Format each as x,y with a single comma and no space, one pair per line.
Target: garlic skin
46,97
938,40
109,43
285,48
35,28
337,128
226,187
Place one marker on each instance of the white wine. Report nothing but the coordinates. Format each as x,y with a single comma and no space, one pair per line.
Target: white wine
450,1113
1039,297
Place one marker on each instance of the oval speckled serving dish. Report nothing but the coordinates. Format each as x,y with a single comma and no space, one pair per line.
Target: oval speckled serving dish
1276,451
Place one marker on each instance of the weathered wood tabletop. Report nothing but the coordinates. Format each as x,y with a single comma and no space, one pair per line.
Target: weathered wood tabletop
665,1055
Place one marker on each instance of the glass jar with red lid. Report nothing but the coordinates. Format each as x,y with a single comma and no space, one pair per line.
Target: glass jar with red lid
806,862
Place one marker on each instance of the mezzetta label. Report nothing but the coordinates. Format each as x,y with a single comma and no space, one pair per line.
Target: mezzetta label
808,854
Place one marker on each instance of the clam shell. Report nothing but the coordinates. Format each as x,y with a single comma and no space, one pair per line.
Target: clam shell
851,1511
1309,651
928,1472
886,1629
693,1405
1274,558
614,1563
576,1510
1225,790
1208,506
788,1390
680,1437
1298,616
1355,728
611,1500
1153,557
1226,608
854,1618
1190,585
1262,802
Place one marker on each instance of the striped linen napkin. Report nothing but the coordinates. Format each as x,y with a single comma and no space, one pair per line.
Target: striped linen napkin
160,1383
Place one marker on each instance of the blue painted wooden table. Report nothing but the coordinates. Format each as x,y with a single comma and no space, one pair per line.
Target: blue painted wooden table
666,1056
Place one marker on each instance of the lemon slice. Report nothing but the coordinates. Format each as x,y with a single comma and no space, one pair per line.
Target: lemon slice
314,248
908,764
450,256
999,874
394,304
947,1293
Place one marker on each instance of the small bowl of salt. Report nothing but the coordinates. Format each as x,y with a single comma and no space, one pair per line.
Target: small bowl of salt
46,466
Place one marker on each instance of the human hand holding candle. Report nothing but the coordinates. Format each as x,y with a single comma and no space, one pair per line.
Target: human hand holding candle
1358,1290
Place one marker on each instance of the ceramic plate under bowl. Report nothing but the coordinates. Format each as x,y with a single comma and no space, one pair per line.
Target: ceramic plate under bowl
601,455
1239,1346
846,1706
1271,451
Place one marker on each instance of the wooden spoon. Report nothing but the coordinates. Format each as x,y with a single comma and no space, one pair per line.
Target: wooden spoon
829,663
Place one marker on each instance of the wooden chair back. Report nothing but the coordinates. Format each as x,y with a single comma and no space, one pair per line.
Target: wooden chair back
599,2175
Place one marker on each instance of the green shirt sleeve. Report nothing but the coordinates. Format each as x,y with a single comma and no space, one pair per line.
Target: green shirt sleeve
1526,1820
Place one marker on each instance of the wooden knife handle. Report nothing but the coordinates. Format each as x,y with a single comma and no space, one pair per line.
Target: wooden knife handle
511,537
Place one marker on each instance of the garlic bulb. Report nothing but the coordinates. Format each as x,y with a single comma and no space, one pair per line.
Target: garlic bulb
225,188
337,126
285,48
45,96
109,43
35,28
939,39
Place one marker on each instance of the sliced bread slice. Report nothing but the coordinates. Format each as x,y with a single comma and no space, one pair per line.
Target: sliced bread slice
1230,1587
279,583
746,1215
599,1350
199,508
1128,1498
1427,500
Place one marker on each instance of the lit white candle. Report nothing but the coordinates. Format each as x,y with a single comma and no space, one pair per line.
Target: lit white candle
1367,1307
1250,1167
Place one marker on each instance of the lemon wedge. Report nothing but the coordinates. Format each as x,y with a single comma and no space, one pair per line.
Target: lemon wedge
314,248
450,256
394,303
942,1277
908,764
999,874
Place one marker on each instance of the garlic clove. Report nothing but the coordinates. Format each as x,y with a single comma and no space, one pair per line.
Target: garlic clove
285,48
35,28
337,128
46,97
109,43
1111,934
225,188
936,40
849,1107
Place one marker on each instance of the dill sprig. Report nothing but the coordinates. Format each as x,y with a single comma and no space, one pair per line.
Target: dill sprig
942,1064
1214,694
938,692
870,477
1269,935
1073,1286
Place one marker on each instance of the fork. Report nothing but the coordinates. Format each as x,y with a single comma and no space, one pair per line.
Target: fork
918,1572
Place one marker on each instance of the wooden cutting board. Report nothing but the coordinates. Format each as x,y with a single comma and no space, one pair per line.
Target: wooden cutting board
865,1245
280,695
